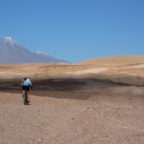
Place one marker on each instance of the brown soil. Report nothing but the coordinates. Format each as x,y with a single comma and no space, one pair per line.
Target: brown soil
114,60
94,112
94,102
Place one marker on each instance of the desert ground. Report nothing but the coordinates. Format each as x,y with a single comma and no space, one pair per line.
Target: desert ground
85,103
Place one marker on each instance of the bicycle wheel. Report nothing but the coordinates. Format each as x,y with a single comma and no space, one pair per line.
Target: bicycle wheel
25,98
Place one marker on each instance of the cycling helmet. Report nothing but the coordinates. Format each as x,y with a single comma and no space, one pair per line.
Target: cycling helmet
25,78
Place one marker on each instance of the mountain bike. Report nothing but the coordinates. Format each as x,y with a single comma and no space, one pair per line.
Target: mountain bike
25,98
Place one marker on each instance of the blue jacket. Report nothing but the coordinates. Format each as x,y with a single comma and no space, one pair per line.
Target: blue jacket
26,83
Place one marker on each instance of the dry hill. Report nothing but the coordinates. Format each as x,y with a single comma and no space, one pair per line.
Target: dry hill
114,60
73,104
119,69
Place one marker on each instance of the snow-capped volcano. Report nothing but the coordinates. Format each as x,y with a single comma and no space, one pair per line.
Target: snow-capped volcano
12,52
8,40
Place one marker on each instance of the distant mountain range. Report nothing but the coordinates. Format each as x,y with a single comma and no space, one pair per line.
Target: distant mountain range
11,53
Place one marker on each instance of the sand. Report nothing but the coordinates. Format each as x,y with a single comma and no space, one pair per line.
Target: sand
95,113
74,103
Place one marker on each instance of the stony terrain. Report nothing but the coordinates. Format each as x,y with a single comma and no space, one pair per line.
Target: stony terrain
57,117
73,104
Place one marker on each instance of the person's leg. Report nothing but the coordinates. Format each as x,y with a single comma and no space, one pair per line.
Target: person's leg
28,95
23,92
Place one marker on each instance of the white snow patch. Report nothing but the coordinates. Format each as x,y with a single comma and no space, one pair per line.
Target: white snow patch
9,40
40,52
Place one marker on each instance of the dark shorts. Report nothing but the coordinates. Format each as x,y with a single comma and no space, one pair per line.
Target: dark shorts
25,88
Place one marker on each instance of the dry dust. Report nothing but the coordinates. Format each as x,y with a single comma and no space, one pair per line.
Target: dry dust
93,102
102,114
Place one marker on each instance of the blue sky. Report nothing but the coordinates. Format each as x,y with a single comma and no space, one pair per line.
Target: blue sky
75,30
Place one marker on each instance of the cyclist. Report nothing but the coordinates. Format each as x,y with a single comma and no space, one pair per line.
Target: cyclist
26,83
